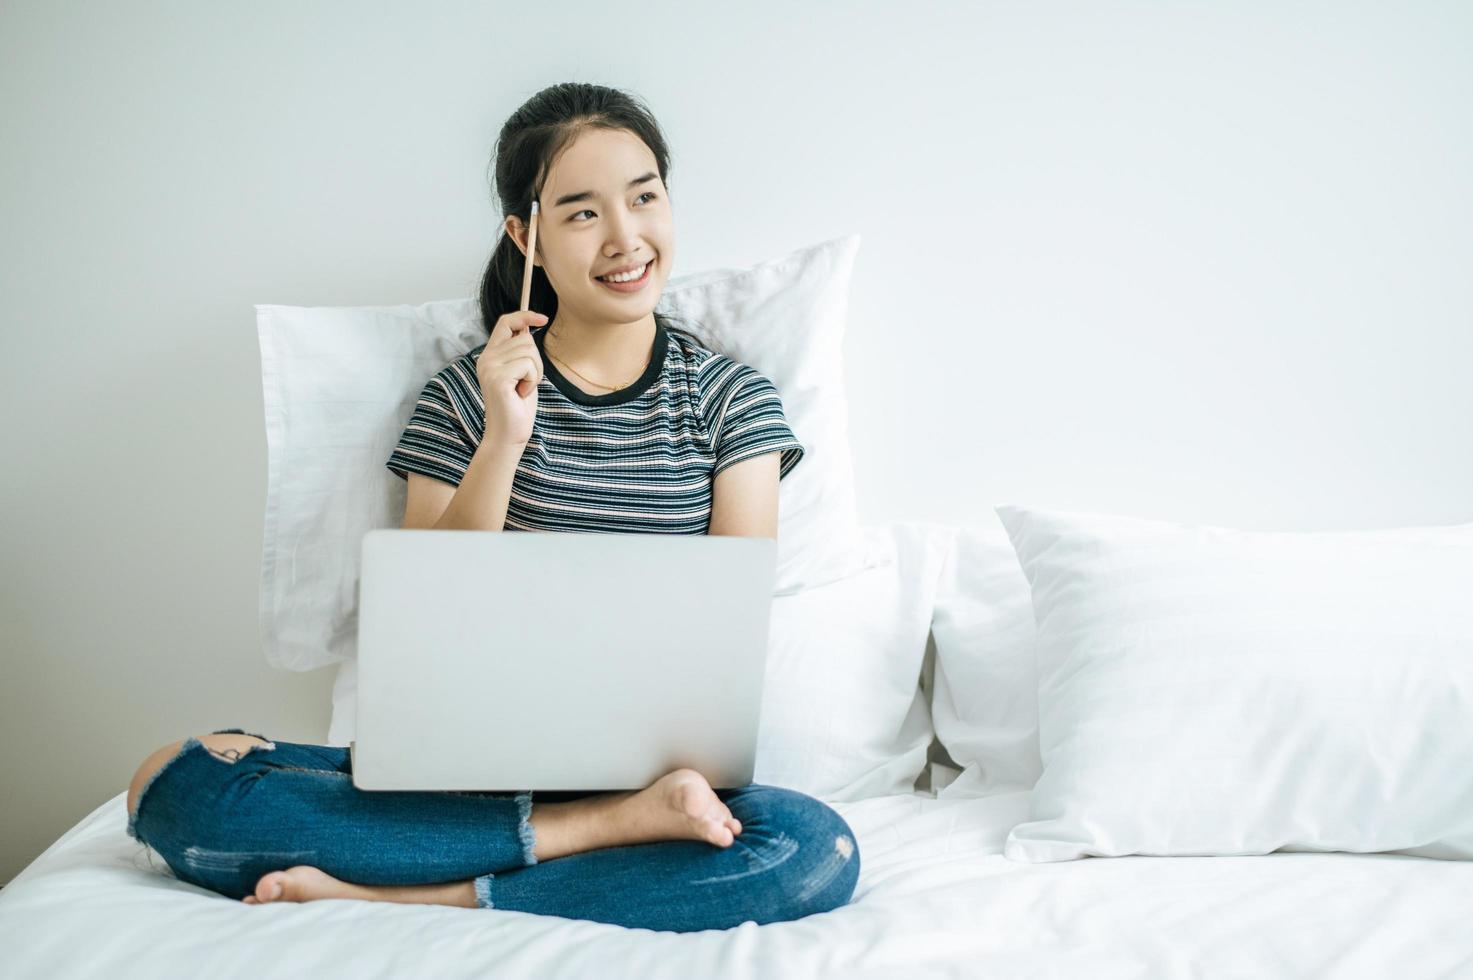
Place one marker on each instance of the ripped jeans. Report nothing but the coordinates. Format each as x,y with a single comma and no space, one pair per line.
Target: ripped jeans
221,825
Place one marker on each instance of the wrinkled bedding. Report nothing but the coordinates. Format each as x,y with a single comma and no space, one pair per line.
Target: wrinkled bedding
935,898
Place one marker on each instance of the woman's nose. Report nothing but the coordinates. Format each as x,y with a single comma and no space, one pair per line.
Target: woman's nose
624,234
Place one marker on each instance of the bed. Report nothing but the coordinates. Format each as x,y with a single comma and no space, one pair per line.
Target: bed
937,894
936,898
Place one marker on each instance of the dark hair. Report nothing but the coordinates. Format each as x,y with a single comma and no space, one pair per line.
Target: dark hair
530,141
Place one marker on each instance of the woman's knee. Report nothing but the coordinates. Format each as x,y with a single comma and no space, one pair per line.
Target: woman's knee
227,747
186,809
813,851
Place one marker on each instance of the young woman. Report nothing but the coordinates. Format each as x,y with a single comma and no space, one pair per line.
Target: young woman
592,414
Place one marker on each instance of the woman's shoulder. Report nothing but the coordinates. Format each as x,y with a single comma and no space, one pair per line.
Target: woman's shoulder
706,363
720,381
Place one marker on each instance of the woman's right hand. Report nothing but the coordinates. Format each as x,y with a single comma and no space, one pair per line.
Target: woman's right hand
510,369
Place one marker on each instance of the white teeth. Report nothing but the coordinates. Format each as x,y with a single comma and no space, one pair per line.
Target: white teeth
626,277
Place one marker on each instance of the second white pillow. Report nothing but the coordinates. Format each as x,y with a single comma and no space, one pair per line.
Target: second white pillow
985,700
843,717
1208,691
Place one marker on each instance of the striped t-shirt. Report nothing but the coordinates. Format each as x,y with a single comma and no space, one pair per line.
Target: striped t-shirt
638,460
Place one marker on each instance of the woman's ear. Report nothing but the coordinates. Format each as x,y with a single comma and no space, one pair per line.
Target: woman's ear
517,231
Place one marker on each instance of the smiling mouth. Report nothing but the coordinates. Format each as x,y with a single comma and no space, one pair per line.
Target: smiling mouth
641,269
630,285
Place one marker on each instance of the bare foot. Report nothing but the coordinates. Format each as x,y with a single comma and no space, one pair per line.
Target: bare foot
303,883
680,805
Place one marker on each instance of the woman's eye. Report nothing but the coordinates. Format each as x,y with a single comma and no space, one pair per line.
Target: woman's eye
586,211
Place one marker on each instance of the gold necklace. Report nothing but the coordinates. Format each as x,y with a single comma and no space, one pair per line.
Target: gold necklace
589,380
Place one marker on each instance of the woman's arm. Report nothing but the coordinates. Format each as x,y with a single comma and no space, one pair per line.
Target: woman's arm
744,498
478,504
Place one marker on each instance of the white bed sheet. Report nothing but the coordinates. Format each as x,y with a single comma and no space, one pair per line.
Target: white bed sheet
935,898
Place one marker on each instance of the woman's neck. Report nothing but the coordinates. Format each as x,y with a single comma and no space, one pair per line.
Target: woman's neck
607,352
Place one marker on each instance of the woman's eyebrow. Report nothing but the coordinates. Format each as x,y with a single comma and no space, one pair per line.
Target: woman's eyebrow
589,195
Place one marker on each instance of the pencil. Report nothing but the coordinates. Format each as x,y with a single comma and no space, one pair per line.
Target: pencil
531,251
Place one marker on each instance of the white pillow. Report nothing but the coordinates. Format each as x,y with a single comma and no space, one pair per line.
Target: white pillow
339,385
985,689
843,717
1207,691
842,713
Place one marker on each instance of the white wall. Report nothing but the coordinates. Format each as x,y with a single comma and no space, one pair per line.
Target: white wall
1205,262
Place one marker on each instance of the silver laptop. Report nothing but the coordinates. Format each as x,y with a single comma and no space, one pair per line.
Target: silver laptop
531,660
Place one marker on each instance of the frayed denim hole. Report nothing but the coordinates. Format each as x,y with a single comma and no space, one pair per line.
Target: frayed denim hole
827,870
483,892
270,746
526,833
189,743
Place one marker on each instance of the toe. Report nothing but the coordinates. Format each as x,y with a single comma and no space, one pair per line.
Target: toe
269,888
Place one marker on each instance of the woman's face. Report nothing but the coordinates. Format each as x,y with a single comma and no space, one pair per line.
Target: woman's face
621,217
